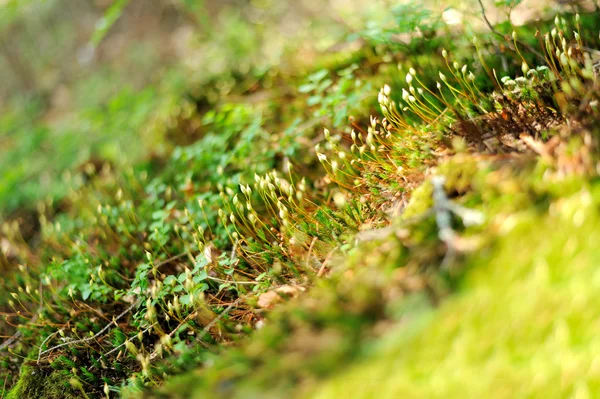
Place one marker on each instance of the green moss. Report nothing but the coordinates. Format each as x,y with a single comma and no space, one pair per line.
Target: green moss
42,383
142,233
525,308
420,201
524,325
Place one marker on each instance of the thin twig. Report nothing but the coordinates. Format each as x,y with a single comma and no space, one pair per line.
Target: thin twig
172,258
322,269
44,343
113,350
13,338
207,328
79,341
312,243
444,208
220,280
443,218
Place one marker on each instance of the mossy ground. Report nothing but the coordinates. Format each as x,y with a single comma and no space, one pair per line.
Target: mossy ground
442,247
523,324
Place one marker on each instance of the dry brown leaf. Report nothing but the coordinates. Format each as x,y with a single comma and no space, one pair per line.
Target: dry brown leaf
268,299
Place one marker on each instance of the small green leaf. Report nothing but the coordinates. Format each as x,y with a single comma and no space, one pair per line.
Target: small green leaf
307,88
85,294
179,288
170,280
200,277
185,299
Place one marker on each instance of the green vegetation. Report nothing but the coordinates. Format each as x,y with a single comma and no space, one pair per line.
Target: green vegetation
386,207
524,324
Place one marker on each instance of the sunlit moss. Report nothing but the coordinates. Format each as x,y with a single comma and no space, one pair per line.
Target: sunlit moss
42,383
524,324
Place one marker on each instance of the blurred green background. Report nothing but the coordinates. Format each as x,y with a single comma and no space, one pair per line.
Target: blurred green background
100,80
83,80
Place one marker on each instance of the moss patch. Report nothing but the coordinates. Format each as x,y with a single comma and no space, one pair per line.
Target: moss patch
40,383
526,323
